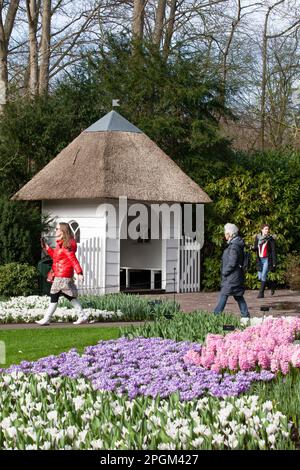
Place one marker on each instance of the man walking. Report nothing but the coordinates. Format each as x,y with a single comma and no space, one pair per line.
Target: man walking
232,272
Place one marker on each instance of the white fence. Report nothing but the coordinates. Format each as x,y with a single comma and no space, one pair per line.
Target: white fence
89,256
189,280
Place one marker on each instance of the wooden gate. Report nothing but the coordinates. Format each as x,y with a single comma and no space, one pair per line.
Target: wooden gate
89,256
189,280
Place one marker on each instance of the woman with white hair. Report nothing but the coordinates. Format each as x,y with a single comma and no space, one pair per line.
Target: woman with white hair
232,272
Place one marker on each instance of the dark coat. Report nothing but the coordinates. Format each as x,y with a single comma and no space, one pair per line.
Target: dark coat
271,254
232,273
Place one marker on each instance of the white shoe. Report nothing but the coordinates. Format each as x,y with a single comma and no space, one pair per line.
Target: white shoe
43,322
80,321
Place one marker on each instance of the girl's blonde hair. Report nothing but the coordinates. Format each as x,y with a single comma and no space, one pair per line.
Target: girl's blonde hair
67,234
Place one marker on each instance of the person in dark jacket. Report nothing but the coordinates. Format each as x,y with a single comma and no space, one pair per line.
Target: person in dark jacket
264,246
64,264
232,272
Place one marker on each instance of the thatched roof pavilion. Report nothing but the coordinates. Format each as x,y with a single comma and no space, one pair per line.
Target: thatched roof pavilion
112,158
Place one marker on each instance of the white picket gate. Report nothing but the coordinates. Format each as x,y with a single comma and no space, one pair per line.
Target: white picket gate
189,280
89,256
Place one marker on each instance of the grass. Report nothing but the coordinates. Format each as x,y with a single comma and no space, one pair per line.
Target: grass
33,344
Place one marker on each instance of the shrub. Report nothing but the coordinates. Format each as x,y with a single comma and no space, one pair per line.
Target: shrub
292,274
20,230
18,279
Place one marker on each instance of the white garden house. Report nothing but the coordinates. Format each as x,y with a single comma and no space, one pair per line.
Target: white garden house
95,184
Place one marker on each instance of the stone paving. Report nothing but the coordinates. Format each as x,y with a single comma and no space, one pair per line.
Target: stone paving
282,303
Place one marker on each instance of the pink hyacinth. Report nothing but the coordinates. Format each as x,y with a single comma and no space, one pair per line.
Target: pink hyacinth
192,357
268,346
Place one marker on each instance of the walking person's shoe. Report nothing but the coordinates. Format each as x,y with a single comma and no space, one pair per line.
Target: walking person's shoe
81,320
261,293
48,315
44,321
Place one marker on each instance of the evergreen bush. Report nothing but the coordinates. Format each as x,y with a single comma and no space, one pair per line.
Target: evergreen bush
18,279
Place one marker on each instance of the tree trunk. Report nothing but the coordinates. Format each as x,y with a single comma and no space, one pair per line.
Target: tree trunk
45,48
264,78
234,26
138,19
264,84
170,28
159,22
5,34
32,15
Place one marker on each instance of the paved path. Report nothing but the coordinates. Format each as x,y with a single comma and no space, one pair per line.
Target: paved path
282,303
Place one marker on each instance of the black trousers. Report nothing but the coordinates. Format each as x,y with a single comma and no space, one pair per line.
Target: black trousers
54,297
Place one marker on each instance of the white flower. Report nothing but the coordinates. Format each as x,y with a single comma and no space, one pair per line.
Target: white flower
218,439
97,444
5,423
271,429
71,431
78,402
166,446
272,439
82,436
11,432
197,442
267,406
202,429
52,416
233,442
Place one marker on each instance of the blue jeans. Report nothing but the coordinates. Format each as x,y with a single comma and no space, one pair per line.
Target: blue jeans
240,300
263,274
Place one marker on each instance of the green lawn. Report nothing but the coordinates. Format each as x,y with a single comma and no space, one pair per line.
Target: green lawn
33,344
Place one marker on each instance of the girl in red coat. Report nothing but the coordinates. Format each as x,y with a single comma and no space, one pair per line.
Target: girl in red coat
64,264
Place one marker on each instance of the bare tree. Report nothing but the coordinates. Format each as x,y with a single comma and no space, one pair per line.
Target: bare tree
45,48
170,27
33,10
6,27
159,22
138,18
264,79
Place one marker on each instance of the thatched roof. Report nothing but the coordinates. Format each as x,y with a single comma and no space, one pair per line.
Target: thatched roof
112,158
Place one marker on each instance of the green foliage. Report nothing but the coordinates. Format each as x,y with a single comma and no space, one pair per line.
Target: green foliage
257,189
292,274
20,229
284,391
183,327
18,279
32,132
133,307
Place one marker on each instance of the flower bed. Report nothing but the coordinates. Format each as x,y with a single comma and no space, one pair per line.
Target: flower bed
149,367
268,346
32,308
155,393
40,412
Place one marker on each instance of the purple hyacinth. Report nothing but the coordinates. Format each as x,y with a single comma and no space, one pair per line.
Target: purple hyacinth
143,366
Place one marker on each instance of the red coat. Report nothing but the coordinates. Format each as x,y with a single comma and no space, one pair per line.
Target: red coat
64,259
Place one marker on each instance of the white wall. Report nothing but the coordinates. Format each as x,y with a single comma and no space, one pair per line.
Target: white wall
91,221
93,218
